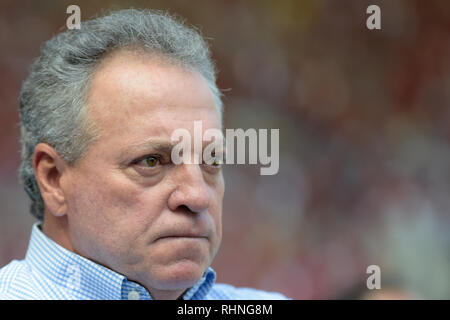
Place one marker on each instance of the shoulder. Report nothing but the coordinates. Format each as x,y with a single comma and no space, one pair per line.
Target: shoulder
222,291
8,274
16,282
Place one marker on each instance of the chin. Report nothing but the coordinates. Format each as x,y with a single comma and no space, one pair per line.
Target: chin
181,275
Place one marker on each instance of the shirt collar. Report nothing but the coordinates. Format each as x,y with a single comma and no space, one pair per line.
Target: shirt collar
82,278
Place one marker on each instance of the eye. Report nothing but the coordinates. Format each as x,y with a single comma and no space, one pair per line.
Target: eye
216,163
150,161
214,166
215,159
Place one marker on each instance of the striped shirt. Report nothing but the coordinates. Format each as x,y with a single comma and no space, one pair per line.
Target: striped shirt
51,272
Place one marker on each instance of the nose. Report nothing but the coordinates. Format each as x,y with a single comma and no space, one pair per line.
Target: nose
192,192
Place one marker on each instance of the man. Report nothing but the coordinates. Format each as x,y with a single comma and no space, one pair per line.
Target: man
118,219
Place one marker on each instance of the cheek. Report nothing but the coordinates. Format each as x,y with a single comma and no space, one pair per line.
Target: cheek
112,213
96,193
216,208
146,206
110,204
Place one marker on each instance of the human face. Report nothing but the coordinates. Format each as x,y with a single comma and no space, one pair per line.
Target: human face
155,222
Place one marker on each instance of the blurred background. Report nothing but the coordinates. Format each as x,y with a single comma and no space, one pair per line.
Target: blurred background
364,119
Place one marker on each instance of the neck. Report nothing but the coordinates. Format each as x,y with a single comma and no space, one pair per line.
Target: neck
56,228
167,295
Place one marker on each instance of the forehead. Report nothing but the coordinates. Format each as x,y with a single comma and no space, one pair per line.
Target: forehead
135,95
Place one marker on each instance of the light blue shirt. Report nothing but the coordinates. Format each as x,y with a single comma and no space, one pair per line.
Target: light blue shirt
51,272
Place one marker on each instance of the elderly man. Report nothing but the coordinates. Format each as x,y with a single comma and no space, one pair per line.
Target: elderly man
118,219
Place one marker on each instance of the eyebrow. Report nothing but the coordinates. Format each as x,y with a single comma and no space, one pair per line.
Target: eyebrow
158,145
154,145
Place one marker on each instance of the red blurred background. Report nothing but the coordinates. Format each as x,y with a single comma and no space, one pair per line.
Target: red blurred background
364,138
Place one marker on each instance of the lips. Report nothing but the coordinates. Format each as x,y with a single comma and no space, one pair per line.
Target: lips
181,237
175,236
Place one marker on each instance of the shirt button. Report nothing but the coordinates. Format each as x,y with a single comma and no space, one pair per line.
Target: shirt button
133,295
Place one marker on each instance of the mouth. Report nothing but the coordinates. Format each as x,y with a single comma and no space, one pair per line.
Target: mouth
182,237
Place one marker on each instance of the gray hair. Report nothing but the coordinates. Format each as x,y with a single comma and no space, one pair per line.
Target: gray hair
53,97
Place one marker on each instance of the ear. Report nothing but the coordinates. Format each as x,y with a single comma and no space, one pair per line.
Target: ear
48,170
